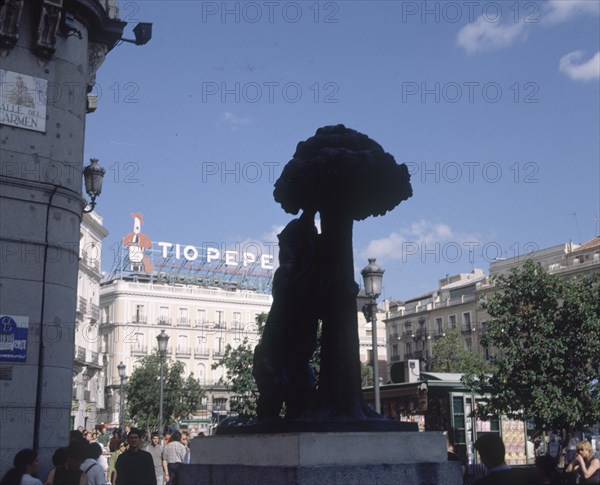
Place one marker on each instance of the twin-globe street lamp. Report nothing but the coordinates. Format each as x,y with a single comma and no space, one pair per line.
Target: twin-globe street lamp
122,375
163,340
372,278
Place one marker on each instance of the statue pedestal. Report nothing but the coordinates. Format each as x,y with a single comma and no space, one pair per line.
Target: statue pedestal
399,458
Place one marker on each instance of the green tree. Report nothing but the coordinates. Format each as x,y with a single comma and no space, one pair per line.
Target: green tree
366,374
449,354
181,397
238,379
546,332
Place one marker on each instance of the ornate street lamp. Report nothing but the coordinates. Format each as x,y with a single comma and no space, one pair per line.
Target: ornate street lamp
163,340
372,278
122,375
93,176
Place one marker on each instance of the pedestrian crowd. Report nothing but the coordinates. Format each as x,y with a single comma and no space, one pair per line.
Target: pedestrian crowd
581,465
97,458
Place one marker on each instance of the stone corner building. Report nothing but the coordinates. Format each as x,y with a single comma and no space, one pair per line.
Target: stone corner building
49,53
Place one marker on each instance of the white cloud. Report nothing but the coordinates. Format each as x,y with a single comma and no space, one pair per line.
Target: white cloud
573,66
232,121
559,11
484,36
419,236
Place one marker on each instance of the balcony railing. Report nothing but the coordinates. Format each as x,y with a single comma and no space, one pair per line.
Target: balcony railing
138,319
183,352
80,353
163,321
95,311
394,337
82,305
139,350
201,352
200,324
183,322
395,358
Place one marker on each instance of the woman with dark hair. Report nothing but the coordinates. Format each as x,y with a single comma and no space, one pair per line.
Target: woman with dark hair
25,465
69,473
173,455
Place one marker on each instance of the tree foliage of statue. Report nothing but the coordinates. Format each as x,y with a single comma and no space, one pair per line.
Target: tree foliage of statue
182,396
450,355
546,336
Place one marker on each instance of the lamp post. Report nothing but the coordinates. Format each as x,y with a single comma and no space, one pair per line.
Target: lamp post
121,368
372,278
163,340
93,175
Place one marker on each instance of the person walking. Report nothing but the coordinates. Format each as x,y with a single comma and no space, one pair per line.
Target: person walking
69,473
25,466
91,466
155,449
135,466
173,455
585,464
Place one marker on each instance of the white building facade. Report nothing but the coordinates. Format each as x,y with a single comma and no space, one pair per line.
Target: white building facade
88,363
200,321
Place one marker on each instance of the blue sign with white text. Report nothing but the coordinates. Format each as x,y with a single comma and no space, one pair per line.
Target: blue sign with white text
13,338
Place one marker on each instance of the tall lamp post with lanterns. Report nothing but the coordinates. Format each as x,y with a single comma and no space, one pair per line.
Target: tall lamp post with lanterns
122,375
163,340
372,278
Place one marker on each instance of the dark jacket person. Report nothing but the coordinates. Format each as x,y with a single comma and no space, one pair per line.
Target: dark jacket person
135,466
491,452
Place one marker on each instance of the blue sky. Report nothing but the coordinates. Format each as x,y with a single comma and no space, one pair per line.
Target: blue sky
494,106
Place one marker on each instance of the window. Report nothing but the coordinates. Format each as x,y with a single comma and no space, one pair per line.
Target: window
163,314
200,316
220,316
395,356
469,345
407,350
237,320
183,316
182,342
439,325
466,321
452,321
140,314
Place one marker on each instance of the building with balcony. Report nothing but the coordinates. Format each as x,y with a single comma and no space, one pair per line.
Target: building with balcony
413,325
200,321
88,363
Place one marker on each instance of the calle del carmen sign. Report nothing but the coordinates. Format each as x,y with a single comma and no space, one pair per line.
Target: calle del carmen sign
140,249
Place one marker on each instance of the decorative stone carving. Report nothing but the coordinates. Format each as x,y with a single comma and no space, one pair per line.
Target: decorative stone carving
45,42
10,16
96,55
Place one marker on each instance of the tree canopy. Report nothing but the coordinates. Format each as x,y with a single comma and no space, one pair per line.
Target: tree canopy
181,396
450,355
545,332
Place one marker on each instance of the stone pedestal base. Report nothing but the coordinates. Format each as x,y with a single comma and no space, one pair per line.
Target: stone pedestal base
399,458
